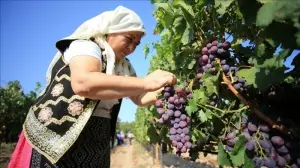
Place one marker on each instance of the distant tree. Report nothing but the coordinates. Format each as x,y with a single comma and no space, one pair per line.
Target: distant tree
14,106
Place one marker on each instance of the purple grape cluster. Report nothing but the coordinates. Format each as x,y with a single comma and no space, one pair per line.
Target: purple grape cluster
262,146
171,109
206,62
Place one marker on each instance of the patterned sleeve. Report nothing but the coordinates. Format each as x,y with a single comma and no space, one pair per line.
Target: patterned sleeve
131,69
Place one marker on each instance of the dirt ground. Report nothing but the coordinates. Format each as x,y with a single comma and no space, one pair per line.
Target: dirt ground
137,156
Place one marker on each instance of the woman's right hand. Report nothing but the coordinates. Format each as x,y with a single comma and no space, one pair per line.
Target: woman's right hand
158,79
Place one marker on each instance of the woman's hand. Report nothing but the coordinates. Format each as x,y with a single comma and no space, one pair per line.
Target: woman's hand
158,79
146,99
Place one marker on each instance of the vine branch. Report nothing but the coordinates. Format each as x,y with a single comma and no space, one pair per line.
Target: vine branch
252,107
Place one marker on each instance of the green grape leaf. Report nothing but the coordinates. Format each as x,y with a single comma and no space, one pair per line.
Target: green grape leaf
191,64
240,143
223,156
248,163
264,1
202,116
198,135
187,35
276,10
224,4
198,94
191,107
261,50
238,159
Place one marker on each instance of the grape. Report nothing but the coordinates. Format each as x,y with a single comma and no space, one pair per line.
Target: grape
182,117
174,143
208,66
213,50
177,120
186,138
265,144
281,161
183,149
168,89
263,127
258,162
179,130
182,124
228,148
282,150
158,103
225,68
294,166
182,135
220,51
178,107
269,162
188,119
188,145
170,113
171,106
226,45
182,100
167,94
171,99
265,135
230,135
277,140
237,86
165,117
241,80
247,135
231,142
176,102
220,45
173,131
223,62
214,43
179,145
189,96
160,111
208,46
177,113
176,125
250,145
252,127
204,51
211,57
204,59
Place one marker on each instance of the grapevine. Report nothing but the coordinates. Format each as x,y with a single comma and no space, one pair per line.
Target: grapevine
243,100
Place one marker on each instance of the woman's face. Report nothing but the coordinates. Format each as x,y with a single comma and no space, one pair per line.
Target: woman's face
125,43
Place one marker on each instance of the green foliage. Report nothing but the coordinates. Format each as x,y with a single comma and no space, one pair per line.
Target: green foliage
14,105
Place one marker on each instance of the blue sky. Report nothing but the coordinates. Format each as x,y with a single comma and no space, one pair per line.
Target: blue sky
29,30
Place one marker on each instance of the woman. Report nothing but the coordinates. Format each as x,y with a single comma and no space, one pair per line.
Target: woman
73,120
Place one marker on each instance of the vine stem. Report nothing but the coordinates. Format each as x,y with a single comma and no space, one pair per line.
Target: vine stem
252,107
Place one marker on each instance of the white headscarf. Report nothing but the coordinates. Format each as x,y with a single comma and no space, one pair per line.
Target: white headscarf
119,20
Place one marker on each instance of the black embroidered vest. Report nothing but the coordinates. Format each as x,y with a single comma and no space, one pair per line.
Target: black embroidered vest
58,116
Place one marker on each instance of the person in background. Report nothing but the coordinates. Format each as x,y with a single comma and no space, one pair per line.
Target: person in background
73,121
130,137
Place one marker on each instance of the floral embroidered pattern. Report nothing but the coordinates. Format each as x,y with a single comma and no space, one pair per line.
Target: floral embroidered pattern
45,114
57,89
75,108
